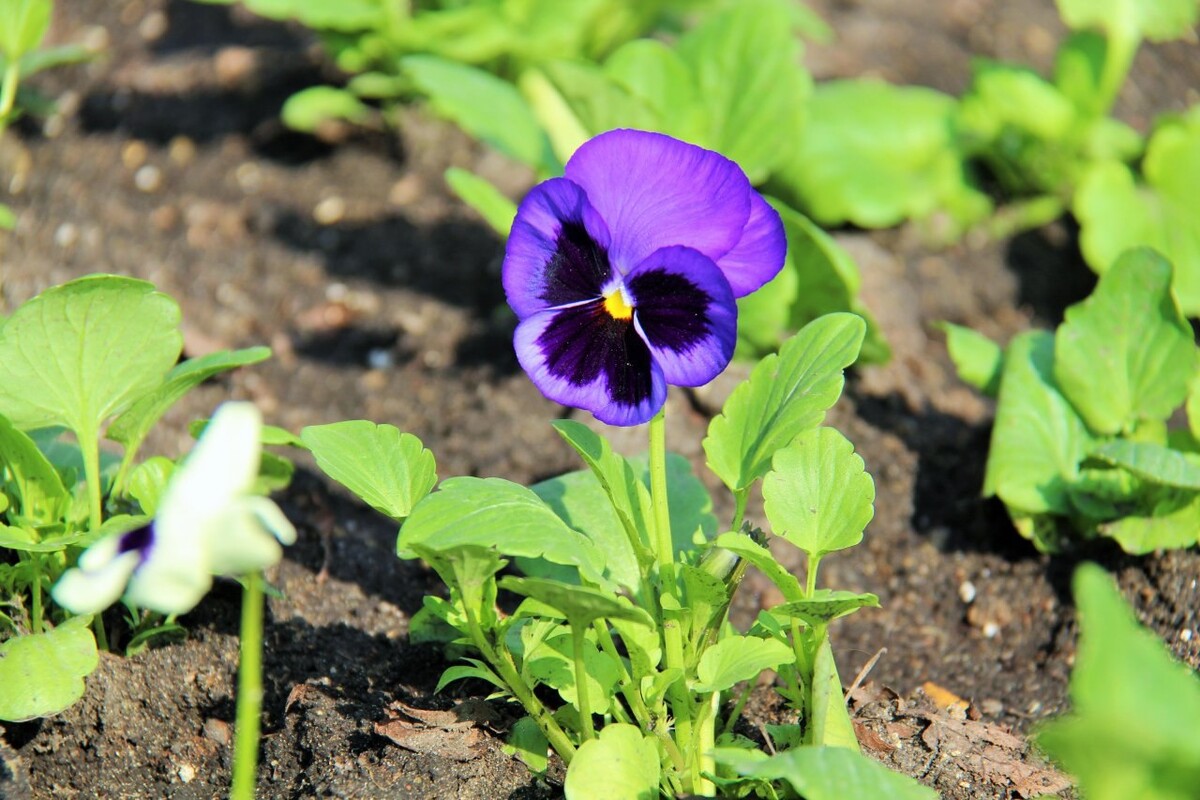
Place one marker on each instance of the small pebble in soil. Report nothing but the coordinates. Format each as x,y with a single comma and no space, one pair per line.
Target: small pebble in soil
66,235
966,592
379,358
330,210
133,154
1186,635
181,150
249,178
993,708
991,630
186,773
148,179
153,26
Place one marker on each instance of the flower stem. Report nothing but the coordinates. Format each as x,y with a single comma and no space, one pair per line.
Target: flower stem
739,512
554,734
8,91
681,701
89,449
581,684
35,611
250,691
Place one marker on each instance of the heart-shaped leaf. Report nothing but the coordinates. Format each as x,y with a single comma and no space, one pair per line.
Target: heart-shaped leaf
739,658
42,674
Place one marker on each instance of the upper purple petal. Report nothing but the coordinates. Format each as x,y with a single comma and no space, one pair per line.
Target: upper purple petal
685,312
580,356
557,251
654,191
758,255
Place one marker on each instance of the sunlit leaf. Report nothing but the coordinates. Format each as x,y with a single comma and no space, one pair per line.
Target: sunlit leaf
826,773
42,674
739,658
1126,353
391,471
978,359
818,495
621,762
786,395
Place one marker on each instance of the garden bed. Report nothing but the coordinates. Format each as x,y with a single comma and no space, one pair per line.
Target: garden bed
380,296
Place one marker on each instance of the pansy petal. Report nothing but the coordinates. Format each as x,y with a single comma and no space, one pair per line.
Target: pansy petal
686,313
557,251
174,577
90,591
249,536
582,357
654,191
758,255
221,467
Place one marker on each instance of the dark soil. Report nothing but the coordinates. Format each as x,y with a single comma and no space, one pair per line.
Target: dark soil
380,296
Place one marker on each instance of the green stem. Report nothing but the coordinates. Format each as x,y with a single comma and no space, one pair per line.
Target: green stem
35,611
581,683
810,580
89,449
680,699
508,673
1118,58
740,499
738,707
250,691
8,91
629,690
100,633
705,743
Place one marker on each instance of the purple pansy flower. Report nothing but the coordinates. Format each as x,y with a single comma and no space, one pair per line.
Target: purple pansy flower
623,272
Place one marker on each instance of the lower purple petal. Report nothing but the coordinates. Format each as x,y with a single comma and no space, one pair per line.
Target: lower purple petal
582,357
758,255
686,313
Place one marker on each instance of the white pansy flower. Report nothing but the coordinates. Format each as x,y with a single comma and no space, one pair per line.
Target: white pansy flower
208,523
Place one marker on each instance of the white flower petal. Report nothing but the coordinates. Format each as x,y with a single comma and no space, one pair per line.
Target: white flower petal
91,590
248,537
174,576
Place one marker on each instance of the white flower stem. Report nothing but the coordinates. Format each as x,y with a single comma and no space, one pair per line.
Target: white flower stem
250,691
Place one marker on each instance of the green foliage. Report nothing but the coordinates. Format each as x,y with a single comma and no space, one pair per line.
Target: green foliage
624,620
874,154
1080,439
96,351
978,359
388,469
1132,729
23,24
825,773
42,674
786,395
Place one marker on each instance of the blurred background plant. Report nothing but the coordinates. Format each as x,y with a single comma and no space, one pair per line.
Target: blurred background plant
23,26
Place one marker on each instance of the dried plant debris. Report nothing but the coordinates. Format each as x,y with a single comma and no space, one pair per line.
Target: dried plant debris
948,747
454,733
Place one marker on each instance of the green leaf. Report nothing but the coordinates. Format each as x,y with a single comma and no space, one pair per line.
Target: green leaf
45,58
79,353
347,16
831,724
551,662
391,471
148,482
1172,521
33,480
977,358
581,605
620,763
786,395
1038,440
1132,731
658,76
1151,462
739,658
480,194
527,742
131,428
747,69
1126,353
764,560
308,109
874,155
573,98
1116,213
42,674
478,670
23,23
8,221
818,495
826,773
818,277
498,514
1131,19
485,106
826,605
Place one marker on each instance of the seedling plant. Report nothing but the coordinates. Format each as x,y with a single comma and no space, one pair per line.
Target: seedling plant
1081,446
99,354
619,655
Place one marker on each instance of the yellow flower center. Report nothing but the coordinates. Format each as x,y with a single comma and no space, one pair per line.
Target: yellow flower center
617,306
